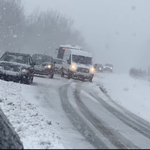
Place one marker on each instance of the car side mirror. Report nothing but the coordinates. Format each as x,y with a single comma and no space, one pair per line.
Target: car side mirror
68,61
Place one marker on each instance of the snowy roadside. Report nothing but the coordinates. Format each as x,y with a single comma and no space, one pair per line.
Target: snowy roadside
132,94
34,130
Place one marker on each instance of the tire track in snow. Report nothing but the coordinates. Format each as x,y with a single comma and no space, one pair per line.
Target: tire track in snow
78,122
131,123
143,122
113,136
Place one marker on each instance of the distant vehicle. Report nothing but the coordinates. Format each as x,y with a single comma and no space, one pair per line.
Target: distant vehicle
58,65
98,67
108,67
17,67
61,50
44,65
77,64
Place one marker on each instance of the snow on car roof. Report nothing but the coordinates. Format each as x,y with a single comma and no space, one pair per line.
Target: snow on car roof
81,52
16,53
71,46
109,65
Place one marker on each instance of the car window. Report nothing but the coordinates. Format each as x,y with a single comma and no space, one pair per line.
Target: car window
58,61
82,59
39,59
23,59
30,61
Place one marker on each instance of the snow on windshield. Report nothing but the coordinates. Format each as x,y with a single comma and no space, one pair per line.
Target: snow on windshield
82,59
40,59
23,59
58,61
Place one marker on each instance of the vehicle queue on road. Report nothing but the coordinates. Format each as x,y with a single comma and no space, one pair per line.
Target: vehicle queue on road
70,61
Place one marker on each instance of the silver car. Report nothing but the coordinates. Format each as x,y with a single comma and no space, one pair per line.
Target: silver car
108,67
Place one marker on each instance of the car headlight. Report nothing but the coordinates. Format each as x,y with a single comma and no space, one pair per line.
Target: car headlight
73,67
100,68
48,66
24,70
92,70
111,68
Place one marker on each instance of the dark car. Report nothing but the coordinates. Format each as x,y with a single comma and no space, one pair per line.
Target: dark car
17,67
98,67
108,67
44,65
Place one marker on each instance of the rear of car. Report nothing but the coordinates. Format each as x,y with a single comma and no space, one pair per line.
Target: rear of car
98,67
44,65
78,64
16,67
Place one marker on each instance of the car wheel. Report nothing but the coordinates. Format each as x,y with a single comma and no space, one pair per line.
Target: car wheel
32,79
28,81
91,79
62,73
16,81
69,74
83,79
52,76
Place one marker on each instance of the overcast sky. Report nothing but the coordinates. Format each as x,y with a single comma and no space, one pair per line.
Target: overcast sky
117,30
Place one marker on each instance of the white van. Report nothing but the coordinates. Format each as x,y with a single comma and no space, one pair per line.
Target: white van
77,64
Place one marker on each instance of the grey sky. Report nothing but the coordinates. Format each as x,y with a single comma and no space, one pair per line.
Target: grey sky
117,30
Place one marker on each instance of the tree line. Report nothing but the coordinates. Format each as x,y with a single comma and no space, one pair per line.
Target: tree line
40,32
138,73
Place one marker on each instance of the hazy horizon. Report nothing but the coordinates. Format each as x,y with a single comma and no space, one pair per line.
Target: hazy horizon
117,31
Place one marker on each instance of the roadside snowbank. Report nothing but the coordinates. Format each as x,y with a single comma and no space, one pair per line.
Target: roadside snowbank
132,94
34,130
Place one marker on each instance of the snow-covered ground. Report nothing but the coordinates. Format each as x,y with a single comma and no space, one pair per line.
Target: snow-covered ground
37,115
133,94
34,130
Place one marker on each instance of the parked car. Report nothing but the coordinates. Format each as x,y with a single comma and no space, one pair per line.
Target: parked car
17,67
108,67
58,65
98,67
44,65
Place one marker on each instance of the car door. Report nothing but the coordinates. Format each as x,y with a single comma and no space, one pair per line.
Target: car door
31,66
69,61
64,64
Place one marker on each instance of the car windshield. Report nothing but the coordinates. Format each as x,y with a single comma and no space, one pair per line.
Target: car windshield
58,61
22,59
40,59
82,59
109,65
99,65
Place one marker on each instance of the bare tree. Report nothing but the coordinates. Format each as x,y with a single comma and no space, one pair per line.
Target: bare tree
40,32
47,30
12,21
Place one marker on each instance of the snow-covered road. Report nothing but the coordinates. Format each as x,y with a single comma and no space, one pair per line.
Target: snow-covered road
62,113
